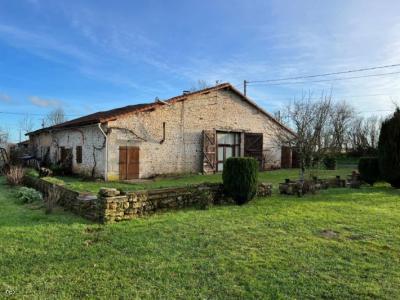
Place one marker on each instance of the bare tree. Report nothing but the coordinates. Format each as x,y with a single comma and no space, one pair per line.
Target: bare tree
309,119
373,125
200,85
363,135
56,116
4,135
26,124
341,116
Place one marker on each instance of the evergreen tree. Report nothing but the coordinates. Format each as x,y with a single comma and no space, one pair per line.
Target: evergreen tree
389,150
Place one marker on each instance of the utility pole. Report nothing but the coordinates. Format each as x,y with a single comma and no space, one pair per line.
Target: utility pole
244,87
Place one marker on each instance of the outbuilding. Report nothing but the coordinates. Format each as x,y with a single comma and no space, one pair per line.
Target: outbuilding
190,133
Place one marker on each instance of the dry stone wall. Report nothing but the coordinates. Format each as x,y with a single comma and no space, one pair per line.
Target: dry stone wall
86,207
112,205
125,206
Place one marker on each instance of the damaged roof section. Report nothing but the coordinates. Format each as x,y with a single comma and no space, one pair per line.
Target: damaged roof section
110,115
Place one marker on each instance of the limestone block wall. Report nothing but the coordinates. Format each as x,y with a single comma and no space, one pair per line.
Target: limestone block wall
70,200
116,206
181,151
90,138
112,205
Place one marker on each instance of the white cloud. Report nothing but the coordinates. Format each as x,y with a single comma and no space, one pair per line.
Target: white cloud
300,39
41,102
42,43
308,45
5,98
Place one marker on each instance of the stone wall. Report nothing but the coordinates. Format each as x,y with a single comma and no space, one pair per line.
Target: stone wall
89,138
86,207
181,151
112,205
125,206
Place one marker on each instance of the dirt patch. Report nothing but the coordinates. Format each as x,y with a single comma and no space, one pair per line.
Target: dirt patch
329,234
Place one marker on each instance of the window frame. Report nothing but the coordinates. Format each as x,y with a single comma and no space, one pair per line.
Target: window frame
237,139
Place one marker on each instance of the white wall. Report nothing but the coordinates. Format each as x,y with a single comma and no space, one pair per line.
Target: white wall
87,137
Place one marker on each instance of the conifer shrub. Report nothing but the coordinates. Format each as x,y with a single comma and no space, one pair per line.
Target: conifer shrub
329,162
369,169
389,150
240,178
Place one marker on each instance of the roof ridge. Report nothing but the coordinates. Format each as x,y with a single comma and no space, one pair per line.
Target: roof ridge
207,89
108,115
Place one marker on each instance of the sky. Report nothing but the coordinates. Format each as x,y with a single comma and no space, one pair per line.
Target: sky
86,56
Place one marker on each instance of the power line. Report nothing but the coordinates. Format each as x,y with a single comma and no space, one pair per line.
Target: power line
324,80
377,110
31,114
327,74
339,96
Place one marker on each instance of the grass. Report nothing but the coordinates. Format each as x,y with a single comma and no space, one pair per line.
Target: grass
274,177
340,243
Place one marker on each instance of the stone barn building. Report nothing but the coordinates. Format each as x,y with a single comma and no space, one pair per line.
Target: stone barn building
190,133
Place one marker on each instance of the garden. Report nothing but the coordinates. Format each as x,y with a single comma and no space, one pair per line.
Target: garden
337,243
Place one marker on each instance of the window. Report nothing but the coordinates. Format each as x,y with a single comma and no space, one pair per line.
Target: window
228,146
79,154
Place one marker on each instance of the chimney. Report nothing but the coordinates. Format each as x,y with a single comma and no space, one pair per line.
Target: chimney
186,92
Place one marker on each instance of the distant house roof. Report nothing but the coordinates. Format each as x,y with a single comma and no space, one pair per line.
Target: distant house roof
26,142
110,115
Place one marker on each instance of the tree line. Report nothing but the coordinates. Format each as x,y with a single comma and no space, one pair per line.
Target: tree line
324,127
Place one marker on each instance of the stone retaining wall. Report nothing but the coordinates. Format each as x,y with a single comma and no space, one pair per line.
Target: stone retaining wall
299,188
117,206
86,207
112,205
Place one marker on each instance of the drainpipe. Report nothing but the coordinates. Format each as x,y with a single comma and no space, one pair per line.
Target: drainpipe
163,138
106,165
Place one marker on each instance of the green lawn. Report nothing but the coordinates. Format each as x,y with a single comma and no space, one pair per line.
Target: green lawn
340,243
274,177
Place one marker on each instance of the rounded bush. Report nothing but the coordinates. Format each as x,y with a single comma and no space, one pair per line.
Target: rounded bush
329,162
240,178
389,150
369,169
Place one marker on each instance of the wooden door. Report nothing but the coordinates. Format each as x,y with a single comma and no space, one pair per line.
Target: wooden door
63,154
253,147
128,163
286,157
209,151
295,159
